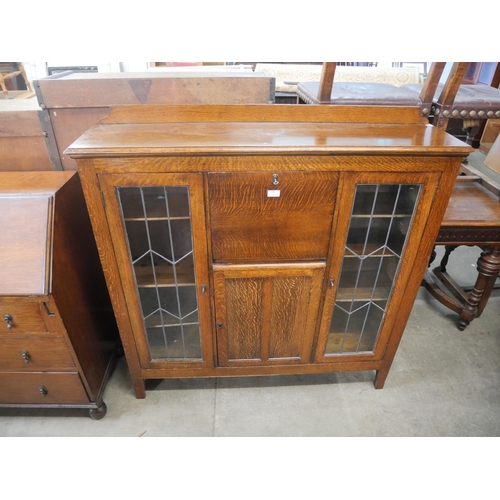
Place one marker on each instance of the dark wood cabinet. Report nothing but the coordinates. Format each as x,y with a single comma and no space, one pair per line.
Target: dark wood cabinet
261,240
58,336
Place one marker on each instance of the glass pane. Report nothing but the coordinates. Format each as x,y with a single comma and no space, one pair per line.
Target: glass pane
158,229
380,220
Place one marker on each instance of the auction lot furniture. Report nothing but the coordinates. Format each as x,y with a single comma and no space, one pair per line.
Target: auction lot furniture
58,335
472,218
77,101
26,137
264,240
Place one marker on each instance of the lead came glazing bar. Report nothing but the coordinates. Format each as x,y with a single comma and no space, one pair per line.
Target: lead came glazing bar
355,328
360,265
154,271
175,272
379,266
170,334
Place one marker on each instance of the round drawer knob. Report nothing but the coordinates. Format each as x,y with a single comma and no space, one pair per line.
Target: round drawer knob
43,391
8,319
26,356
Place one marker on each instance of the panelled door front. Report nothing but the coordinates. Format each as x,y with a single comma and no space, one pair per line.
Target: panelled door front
158,229
266,314
270,234
380,226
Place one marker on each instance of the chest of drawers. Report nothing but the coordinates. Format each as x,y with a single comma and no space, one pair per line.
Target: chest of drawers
58,336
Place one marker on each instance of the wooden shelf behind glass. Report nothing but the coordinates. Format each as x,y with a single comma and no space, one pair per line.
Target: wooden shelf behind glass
165,274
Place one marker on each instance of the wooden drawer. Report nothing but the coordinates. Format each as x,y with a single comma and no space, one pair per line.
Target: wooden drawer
253,219
34,354
26,316
29,388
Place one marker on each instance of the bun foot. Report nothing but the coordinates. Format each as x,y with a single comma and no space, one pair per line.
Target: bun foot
98,413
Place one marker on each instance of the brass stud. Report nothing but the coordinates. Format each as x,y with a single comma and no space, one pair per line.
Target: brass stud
463,113
489,114
437,111
497,114
454,112
446,113
425,111
481,114
472,114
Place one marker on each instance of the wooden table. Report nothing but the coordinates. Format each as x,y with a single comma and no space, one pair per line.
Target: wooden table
472,218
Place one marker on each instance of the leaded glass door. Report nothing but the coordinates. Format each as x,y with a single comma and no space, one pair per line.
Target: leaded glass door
160,244
366,275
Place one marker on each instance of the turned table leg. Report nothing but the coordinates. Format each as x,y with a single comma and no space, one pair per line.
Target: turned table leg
446,256
433,256
488,267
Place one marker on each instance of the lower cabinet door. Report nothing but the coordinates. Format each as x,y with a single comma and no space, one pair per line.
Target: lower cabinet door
266,314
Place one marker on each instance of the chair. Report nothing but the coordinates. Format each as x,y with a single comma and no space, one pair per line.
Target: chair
473,214
472,218
369,93
474,104
8,71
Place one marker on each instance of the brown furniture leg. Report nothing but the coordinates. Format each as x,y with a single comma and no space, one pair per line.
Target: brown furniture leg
3,86
488,267
446,256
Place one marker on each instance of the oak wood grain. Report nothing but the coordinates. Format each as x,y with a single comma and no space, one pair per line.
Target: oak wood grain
244,163
260,113
429,183
422,254
257,138
247,224
119,240
243,318
109,264
266,313
262,299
